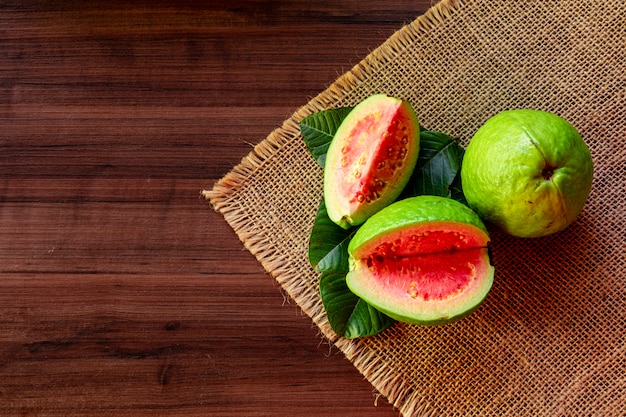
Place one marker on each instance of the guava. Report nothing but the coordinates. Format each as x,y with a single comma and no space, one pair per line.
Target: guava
370,159
527,172
422,260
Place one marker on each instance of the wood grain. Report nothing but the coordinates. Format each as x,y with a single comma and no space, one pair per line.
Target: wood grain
121,292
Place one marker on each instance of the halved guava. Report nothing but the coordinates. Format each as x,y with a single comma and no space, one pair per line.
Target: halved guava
370,159
422,260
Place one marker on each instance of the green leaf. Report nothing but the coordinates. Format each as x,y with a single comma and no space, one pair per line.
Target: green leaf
328,243
347,314
456,189
438,164
366,321
318,130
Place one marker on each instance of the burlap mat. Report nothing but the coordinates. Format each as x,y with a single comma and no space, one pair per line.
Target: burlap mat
550,339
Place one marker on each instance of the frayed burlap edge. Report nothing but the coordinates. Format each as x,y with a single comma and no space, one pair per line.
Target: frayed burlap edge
222,198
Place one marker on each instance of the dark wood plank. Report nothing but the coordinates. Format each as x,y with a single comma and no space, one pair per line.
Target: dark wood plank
121,291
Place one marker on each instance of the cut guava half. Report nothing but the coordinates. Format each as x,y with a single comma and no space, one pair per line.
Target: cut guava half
422,260
370,159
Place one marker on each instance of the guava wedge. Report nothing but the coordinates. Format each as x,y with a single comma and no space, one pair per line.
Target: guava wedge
370,159
422,260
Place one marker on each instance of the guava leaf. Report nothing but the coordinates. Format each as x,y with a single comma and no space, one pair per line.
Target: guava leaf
438,164
318,130
328,243
366,321
456,189
349,315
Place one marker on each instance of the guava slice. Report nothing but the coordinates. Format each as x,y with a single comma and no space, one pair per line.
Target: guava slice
370,159
422,260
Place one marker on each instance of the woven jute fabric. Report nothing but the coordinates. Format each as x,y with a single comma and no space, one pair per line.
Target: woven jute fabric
550,340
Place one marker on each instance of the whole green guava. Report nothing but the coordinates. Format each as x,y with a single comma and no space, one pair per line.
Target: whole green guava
527,172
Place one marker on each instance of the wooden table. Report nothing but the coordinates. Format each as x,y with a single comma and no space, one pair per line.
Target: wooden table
121,291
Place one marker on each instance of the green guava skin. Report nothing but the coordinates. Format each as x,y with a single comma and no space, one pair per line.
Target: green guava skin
405,215
341,205
412,211
527,172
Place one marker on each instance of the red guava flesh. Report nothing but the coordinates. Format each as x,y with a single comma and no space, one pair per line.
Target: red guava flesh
429,273
429,264
370,159
371,163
